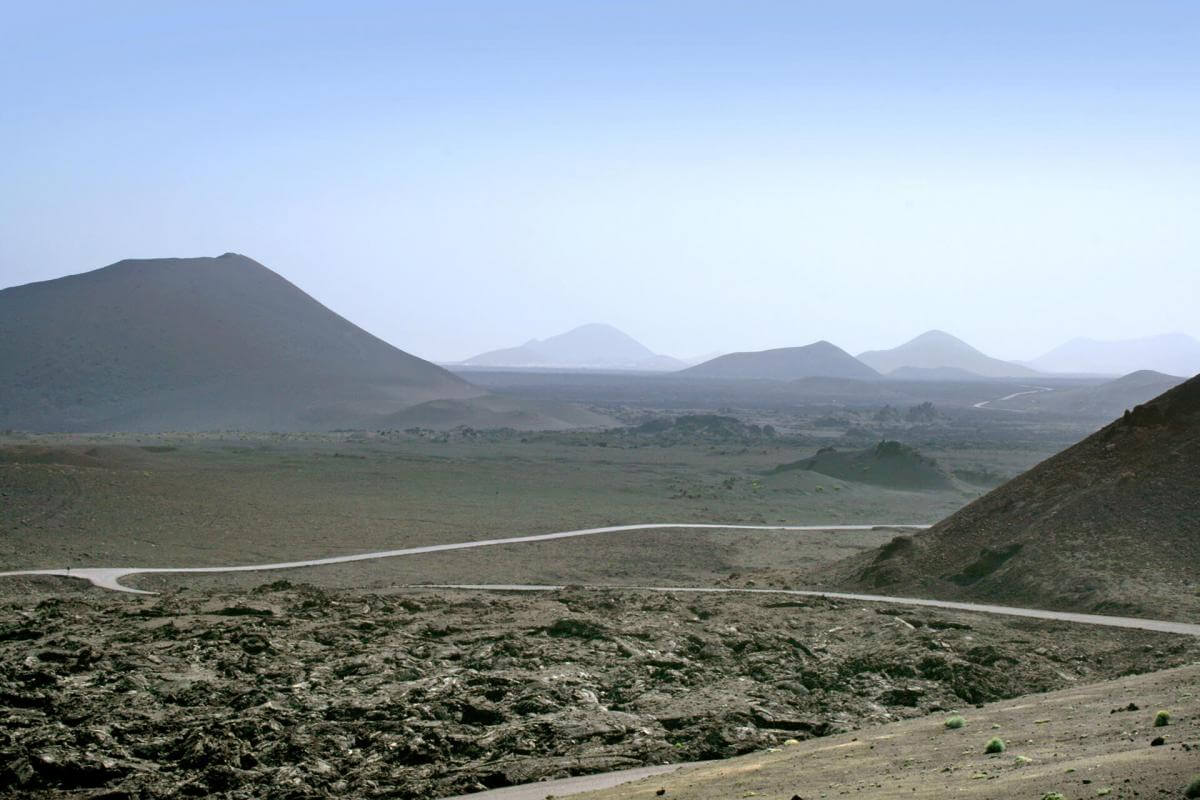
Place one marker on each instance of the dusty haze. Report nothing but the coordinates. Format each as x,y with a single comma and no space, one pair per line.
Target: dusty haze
460,178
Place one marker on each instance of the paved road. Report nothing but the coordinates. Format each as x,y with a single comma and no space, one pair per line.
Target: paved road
1034,390
110,577
1161,626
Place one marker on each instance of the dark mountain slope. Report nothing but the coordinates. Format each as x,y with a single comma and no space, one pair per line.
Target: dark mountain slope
1111,525
819,359
196,343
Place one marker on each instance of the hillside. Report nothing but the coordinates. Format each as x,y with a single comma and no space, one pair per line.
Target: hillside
593,346
1072,743
196,343
1101,401
889,464
819,359
934,350
1172,353
1110,525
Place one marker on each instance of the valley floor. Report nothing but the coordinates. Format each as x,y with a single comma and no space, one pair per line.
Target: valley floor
338,681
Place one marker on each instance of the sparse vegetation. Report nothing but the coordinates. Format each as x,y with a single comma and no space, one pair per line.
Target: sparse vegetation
1053,796
1193,789
1162,719
889,463
955,722
995,745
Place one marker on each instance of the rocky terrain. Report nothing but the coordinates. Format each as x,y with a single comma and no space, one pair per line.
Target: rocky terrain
290,691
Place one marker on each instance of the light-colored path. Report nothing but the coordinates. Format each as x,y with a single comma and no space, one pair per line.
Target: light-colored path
110,577
1033,390
576,785
1160,626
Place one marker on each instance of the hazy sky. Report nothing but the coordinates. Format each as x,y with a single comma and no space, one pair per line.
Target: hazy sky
458,176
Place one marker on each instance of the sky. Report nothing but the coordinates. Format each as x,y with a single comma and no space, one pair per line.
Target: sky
707,176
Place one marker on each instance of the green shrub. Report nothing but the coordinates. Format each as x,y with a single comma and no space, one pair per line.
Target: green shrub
1053,796
995,745
1193,788
955,722
1162,719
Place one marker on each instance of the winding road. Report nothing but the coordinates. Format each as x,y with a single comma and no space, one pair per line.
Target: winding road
1033,390
110,577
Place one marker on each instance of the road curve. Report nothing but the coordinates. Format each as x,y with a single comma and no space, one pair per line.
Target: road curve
1034,390
110,577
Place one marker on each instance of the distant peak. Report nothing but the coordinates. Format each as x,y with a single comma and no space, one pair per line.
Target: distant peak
935,334
594,326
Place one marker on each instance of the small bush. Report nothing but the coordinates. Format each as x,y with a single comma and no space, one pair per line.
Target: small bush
955,722
1193,788
1162,719
995,745
1053,796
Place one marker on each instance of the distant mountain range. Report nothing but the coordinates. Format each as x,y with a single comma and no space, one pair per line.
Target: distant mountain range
819,359
204,344
1170,353
933,356
592,346
942,357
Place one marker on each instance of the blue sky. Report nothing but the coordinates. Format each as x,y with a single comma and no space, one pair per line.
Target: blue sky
457,176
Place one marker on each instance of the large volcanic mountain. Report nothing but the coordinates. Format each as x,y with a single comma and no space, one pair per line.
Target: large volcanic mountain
1111,525
196,344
